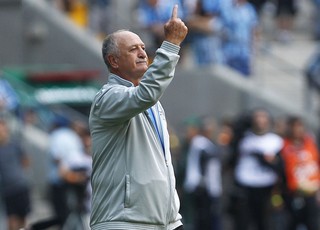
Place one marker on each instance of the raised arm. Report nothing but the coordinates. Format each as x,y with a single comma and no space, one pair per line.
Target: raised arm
175,30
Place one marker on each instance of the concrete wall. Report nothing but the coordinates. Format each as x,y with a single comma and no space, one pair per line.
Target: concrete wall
11,32
35,33
221,92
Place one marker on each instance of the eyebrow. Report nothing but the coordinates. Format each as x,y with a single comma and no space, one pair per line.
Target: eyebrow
136,45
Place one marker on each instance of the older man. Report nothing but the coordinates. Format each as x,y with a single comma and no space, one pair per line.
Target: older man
133,180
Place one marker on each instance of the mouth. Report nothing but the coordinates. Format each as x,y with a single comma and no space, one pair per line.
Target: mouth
142,62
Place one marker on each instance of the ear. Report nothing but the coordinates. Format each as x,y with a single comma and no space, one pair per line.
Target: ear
113,61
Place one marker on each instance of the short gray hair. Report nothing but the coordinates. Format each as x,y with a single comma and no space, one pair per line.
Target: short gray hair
110,47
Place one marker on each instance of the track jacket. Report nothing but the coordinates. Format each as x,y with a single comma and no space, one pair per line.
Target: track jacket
133,179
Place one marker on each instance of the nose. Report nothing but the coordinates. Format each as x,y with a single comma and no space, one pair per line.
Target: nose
142,53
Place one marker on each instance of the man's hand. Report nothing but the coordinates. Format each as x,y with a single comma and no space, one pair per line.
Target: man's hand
175,30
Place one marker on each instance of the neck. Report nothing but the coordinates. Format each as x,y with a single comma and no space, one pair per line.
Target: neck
297,140
259,132
134,81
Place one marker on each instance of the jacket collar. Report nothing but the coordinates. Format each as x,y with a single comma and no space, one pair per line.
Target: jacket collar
115,79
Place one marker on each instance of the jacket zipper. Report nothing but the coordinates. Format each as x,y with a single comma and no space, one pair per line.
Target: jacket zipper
168,174
170,197
159,144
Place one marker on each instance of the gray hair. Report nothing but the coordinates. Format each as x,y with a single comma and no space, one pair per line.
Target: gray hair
110,47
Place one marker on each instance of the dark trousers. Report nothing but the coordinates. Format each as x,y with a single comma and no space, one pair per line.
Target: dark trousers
58,197
59,202
252,208
207,211
303,210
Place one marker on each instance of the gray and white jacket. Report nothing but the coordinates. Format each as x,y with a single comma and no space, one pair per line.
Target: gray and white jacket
133,179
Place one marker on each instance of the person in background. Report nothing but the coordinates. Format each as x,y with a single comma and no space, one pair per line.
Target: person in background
70,168
285,14
316,30
223,140
258,5
76,10
240,23
225,133
15,188
9,100
30,117
280,126
254,178
133,182
203,178
100,15
152,14
82,163
301,170
67,155
191,127
203,20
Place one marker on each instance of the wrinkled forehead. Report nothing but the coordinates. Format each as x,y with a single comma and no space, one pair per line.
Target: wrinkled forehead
127,38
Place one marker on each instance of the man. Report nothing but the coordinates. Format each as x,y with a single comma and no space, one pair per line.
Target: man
301,170
240,23
253,175
203,177
203,20
69,171
14,187
132,179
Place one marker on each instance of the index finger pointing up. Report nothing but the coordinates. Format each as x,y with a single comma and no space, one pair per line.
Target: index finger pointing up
174,12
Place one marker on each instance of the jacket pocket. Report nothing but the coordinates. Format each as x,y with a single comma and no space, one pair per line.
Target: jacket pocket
127,192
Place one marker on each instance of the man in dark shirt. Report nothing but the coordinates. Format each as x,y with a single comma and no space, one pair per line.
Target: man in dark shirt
14,184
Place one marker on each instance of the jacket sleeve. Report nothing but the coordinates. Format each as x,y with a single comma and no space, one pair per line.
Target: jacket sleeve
119,103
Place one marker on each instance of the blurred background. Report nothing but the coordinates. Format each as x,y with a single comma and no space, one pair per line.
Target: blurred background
234,60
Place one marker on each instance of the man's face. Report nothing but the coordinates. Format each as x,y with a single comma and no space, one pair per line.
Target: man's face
132,61
261,121
298,130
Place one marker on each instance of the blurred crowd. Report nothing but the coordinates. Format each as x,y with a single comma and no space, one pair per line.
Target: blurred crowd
66,163
226,32
251,171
